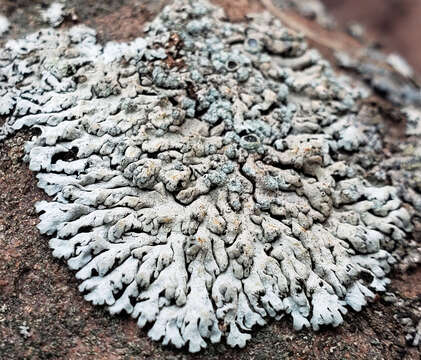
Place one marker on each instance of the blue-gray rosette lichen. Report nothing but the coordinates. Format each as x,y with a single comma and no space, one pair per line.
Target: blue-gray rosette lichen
202,178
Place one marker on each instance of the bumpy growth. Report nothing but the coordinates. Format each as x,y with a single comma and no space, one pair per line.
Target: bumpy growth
202,177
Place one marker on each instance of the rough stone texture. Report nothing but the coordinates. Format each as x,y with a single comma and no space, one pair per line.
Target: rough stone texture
345,143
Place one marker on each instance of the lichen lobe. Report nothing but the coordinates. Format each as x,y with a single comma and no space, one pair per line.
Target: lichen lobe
206,184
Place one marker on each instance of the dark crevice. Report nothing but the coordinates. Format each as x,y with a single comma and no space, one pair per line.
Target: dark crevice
366,277
94,273
201,112
191,91
269,161
269,109
279,218
85,229
69,155
173,101
153,155
113,166
338,177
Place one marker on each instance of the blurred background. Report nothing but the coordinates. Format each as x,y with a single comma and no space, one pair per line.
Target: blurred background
394,24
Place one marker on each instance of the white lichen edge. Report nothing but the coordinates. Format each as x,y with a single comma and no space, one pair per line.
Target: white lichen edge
4,24
54,14
205,197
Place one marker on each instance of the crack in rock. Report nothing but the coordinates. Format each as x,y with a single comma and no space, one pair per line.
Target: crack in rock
194,174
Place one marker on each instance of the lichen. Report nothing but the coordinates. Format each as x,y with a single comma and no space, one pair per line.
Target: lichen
206,184
387,75
54,14
4,24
